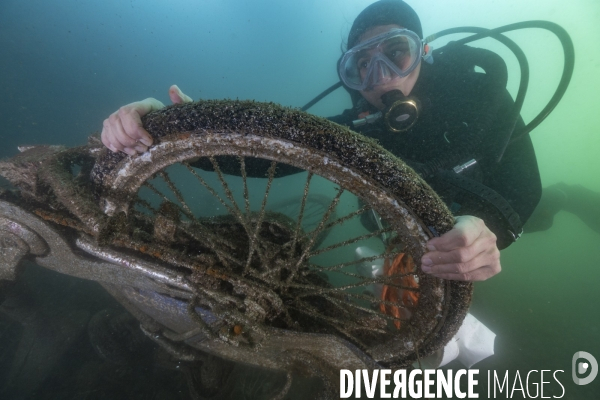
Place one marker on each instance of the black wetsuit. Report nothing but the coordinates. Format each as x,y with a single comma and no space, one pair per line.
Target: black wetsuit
460,122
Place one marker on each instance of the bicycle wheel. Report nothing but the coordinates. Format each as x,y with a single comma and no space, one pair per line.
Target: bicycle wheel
201,199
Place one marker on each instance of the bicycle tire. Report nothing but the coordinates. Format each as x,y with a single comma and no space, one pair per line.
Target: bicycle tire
291,137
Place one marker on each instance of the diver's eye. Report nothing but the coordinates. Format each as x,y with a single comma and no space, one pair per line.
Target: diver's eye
400,57
397,50
396,54
363,64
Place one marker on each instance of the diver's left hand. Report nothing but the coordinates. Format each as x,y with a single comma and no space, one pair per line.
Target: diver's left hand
467,252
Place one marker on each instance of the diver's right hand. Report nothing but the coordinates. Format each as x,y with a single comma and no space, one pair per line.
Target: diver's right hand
123,131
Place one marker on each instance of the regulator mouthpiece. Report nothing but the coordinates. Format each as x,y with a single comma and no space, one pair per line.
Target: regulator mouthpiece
401,112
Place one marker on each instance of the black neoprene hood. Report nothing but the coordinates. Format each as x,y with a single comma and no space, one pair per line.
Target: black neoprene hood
384,12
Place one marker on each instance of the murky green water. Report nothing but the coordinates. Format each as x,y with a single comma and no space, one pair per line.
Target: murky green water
66,65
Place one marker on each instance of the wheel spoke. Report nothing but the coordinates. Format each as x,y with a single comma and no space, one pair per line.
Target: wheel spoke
337,267
167,200
245,221
349,241
209,188
147,205
261,215
301,213
294,269
386,280
345,218
245,183
163,174
337,324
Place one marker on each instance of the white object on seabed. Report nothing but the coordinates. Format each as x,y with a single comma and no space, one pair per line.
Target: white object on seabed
472,343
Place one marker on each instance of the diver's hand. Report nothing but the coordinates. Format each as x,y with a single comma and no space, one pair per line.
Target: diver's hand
177,96
467,252
123,131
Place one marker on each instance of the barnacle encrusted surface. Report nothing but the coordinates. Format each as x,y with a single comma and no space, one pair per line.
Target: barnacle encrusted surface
272,120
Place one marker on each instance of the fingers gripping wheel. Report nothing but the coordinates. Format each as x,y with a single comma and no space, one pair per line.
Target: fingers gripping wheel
266,251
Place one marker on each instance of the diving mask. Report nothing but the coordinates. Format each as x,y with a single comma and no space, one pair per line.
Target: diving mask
382,58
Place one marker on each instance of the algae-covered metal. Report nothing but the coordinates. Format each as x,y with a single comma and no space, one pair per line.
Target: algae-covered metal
246,282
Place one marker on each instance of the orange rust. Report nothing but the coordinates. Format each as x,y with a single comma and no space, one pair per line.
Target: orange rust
184,136
215,273
402,264
60,220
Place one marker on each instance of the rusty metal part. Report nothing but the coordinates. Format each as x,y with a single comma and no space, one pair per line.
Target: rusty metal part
51,249
278,352
179,297
56,172
134,278
43,174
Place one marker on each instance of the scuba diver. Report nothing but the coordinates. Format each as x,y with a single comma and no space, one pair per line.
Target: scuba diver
457,111
453,125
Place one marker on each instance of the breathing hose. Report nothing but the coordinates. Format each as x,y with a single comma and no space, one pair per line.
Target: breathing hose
569,61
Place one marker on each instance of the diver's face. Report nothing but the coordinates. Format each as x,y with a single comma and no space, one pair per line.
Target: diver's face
404,84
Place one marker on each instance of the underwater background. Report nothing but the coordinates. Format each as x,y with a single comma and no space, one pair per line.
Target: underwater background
65,65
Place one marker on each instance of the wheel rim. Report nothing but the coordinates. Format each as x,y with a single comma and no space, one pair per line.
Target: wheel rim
371,328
